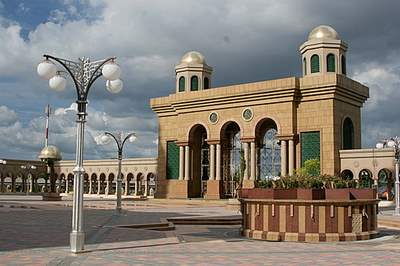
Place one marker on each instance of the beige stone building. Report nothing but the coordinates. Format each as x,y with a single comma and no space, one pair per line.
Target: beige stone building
211,137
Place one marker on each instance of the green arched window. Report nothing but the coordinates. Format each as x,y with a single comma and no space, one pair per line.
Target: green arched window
305,66
343,65
206,83
194,83
314,64
348,134
330,63
182,84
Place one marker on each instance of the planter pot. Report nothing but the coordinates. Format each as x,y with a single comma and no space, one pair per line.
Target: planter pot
362,193
281,193
259,193
310,194
337,194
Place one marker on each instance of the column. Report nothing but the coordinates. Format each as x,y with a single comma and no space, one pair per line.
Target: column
181,162
187,162
146,188
218,163
90,185
2,184
212,162
98,185
136,186
291,157
246,160
126,192
67,185
283,157
253,160
107,186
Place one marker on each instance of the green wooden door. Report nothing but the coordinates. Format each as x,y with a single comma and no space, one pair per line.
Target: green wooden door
172,160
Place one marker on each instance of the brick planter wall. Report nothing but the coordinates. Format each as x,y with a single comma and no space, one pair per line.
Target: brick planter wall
309,220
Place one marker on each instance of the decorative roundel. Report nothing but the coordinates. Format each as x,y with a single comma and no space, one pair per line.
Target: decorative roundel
213,117
247,114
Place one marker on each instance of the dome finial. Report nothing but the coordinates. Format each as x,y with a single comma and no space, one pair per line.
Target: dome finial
323,32
193,57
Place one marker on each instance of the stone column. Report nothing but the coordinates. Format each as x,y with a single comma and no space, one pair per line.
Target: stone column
136,186
187,162
283,157
2,184
98,185
246,160
212,162
291,157
253,160
146,187
218,163
67,185
90,185
181,162
126,192
107,187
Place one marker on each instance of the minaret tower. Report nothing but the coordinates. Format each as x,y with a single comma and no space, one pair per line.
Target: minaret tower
193,73
323,52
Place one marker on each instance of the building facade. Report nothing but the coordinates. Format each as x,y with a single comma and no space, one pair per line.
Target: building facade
209,138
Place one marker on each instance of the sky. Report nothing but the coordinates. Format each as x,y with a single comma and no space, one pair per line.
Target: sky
244,41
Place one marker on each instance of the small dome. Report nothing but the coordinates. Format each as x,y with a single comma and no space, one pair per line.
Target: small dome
323,32
193,57
50,152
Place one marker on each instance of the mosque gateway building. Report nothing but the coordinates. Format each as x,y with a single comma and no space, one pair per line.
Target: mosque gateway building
211,138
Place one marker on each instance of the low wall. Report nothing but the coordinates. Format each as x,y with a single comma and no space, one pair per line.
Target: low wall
309,220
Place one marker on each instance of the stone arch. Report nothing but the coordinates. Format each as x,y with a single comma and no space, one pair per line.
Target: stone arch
226,122
365,178
347,174
110,183
385,184
93,183
140,183
268,149
102,179
261,120
231,149
195,125
347,132
199,171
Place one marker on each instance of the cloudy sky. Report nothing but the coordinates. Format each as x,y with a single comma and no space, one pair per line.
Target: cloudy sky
244,41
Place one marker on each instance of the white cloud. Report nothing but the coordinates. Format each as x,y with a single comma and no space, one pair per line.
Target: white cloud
7,117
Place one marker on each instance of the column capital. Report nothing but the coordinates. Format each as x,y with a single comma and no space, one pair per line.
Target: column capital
248,139
182,143
286,137
213,141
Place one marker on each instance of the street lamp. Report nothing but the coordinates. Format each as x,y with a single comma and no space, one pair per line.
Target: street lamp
28,167
120,141
83,73
394,143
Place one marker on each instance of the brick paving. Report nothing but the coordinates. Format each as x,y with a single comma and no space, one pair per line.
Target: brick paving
38,235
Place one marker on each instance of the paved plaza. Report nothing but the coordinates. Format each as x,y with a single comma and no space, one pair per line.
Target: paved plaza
34,232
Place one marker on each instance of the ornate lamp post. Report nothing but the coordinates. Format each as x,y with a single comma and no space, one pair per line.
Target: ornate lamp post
120,141
395,144
83,73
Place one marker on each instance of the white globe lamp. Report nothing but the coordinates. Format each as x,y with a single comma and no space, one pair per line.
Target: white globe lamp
57,83
111,71
391,143
132,138
46,69
105,139
379,145
114,86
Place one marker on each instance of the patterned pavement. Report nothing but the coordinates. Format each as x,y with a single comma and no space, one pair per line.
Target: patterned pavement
37,234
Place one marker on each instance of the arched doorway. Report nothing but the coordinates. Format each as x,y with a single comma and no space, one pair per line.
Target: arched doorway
152,184
385,185
365,179
101,188
140,184
232,157
269,150
200,171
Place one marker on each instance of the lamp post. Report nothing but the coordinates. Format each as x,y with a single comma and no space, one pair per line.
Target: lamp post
83,73
2,162
395,144
28,167
120,141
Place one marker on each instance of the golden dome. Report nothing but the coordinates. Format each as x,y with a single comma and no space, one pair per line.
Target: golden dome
193,57
50,152
323,32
